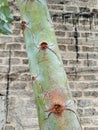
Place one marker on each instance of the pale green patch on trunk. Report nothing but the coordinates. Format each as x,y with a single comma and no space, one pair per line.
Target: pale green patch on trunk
55,106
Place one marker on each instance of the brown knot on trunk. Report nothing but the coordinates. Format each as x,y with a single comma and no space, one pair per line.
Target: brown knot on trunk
56,99
23,25
33,78
43,46
56,109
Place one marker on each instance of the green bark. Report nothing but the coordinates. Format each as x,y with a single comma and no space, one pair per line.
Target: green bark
55,106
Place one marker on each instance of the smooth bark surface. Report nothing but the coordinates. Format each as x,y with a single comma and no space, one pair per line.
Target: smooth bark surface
55,106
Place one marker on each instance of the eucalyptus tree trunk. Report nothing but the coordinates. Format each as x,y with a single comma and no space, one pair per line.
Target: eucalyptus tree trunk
55,105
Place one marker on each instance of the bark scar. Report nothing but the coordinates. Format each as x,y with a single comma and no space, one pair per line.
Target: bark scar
44,46
56,99
23,25
57,109
33,78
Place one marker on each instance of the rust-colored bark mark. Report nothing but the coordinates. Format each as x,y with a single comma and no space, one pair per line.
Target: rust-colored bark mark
56,101
43,46
33,78
57,109
23,25
56,98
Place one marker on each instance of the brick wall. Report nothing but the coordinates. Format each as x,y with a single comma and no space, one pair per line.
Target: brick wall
76,28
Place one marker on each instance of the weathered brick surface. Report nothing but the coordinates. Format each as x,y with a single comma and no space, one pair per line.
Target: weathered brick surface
82,75
9,128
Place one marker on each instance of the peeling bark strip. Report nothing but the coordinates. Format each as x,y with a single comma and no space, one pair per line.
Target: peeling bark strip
7,89
52,94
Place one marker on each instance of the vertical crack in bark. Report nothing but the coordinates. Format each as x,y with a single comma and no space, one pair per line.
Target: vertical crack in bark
8,83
